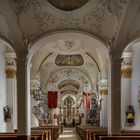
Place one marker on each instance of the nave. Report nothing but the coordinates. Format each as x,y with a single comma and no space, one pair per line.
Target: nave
69,63
69,134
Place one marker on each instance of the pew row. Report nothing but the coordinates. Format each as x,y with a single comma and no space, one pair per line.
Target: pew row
35,135
130,133
55,130
88,132
119,137
94,133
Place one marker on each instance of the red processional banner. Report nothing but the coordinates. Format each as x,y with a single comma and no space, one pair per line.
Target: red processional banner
87,100
52,99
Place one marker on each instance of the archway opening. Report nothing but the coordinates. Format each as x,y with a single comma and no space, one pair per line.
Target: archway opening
76,62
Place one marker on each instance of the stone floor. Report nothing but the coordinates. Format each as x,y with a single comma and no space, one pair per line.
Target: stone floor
69,134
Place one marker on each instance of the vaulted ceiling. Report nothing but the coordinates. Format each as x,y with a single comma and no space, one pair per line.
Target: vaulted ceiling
113,22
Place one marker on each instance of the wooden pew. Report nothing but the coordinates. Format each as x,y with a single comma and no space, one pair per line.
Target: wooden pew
84,131
35,135
88,132
119,137
8,137
61,128
95,135
39,134
123,133
128,132
96,132
54,130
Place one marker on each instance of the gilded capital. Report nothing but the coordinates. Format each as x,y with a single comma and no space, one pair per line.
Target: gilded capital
34,86
103,87
126,69
10,68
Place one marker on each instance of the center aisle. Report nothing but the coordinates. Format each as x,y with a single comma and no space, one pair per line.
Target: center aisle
69,134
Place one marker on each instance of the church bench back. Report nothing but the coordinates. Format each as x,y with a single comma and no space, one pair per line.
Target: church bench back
119,137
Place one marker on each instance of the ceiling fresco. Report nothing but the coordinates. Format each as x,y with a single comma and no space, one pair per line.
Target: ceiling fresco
69,60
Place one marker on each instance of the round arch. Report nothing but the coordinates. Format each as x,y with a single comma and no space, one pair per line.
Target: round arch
126,48
60,73
40,42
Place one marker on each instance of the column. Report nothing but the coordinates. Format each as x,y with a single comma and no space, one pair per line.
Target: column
23,98
103,90
34,86
114,98
126,71
11,90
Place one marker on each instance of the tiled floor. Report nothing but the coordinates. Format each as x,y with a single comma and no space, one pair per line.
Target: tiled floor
69,134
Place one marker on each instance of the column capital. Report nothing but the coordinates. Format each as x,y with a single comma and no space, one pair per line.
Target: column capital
34,86
10,68
103,87
126,68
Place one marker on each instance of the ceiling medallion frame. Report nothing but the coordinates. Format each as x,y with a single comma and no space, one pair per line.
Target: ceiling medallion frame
68,5
69,60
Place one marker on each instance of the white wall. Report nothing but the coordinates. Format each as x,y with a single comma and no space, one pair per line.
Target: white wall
2,87
135,84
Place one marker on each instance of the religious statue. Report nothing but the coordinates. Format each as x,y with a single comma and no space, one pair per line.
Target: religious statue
130,116
7,115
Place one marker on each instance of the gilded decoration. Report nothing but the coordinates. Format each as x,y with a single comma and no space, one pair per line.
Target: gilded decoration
10,73
104,92
126,73
126,69
103,87
67,5
69,60
10,69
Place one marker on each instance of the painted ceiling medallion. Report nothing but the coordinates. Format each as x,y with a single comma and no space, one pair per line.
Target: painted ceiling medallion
67,5
69,60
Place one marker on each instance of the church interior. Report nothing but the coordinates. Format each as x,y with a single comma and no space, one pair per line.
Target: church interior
70,69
